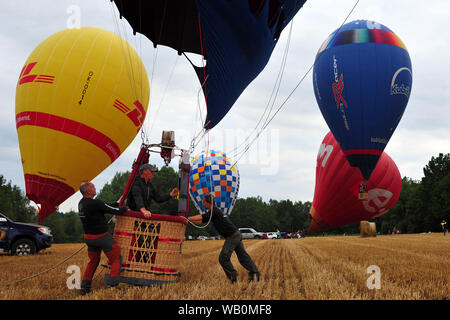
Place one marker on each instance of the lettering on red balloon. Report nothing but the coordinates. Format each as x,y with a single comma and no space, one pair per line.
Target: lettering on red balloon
377,201
324,150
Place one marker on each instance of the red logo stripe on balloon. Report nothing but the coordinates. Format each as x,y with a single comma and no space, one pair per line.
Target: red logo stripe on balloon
75,128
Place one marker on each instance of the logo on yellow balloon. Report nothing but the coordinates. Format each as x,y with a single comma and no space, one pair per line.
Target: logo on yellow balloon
136,115
26,77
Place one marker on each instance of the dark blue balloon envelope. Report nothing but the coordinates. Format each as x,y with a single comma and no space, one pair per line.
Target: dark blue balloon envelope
362,82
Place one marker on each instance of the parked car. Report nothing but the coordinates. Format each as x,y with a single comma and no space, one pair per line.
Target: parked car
270,235
202,238
250,233
285,235
23,238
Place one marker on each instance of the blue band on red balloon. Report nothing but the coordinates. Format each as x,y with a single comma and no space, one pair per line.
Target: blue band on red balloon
362,36
363,151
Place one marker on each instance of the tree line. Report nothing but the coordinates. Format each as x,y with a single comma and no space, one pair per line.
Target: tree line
422,205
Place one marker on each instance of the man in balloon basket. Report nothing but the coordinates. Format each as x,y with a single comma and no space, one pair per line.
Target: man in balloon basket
143,192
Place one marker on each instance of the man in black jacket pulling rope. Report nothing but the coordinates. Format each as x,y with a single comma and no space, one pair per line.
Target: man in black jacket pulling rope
233,240
92,214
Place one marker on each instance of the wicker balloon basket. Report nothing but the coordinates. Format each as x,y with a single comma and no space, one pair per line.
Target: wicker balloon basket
150,248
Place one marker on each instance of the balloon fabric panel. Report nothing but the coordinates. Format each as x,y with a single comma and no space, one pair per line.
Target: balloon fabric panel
236,37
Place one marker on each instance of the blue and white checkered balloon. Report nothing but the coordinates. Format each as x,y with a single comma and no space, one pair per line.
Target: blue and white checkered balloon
212,172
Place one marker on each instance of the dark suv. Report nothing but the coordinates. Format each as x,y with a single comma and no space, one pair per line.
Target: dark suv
23,238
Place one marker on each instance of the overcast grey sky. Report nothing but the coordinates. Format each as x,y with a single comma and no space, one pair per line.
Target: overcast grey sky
281,163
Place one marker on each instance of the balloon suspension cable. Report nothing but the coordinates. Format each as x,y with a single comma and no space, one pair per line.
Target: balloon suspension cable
203,226
205,126
196,139
273,97
204,67
125,51
198,103
202,85
207,122
121,30
155,57
207,164
293,90
155,116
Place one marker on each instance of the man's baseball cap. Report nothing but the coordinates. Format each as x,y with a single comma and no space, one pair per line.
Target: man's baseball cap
148,166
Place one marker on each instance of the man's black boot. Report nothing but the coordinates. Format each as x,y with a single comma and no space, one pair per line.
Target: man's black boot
251,275
85,287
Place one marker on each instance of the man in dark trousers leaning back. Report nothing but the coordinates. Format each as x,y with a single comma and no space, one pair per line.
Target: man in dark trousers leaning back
143,192
233,239
92,214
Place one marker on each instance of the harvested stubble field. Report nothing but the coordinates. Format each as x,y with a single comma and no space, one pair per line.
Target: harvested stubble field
315,268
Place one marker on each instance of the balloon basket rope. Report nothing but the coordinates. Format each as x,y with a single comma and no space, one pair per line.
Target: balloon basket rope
150,248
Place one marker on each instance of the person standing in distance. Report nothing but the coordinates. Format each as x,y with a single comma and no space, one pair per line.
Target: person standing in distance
233,240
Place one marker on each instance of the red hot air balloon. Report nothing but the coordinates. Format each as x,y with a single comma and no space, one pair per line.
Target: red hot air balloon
336,200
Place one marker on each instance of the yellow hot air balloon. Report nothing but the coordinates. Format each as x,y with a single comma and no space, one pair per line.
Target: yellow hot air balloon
81,98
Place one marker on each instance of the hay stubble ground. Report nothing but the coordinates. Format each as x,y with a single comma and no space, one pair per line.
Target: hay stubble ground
313,268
